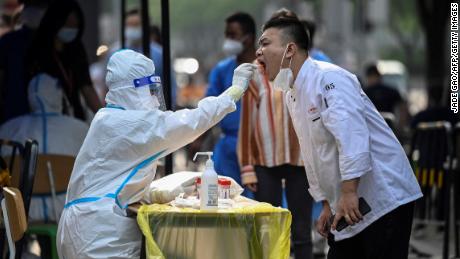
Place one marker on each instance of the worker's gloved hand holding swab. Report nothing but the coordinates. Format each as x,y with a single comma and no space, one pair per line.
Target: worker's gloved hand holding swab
240,82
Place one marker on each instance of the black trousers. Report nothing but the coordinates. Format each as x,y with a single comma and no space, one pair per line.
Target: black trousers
386,238
269,189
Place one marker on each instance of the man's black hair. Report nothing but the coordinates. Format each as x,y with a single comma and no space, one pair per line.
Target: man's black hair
372,70
436,94
245,21
134,11
292,29
156,32
310,27
284,13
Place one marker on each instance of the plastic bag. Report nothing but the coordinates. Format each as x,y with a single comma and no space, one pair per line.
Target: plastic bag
254,230
169,187
166,189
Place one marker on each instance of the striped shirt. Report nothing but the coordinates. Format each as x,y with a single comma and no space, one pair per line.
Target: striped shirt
266,135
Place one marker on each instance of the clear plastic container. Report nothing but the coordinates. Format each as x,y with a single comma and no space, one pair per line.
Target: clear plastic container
224,188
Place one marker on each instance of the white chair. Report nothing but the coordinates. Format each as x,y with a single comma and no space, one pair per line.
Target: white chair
14,216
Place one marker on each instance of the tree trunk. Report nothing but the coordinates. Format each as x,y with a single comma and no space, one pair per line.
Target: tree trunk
435,56
434,15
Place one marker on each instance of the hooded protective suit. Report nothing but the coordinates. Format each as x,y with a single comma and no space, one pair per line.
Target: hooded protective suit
118,158
56,134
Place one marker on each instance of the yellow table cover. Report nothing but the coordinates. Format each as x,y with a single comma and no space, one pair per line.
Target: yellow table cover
254,230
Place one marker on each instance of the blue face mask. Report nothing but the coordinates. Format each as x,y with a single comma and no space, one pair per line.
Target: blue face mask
67,34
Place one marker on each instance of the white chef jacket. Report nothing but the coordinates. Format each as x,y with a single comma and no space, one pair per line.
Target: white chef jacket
342,136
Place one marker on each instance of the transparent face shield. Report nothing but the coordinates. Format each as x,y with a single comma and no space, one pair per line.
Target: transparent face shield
156,89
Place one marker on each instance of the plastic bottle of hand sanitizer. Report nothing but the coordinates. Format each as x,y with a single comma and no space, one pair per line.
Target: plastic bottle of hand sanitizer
209,186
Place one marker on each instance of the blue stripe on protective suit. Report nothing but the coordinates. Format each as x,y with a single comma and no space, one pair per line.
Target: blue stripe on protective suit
143,164
45,210
88,199
43,114
44,142
114,106
42,108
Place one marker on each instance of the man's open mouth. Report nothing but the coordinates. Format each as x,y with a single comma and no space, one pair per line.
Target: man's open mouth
262,65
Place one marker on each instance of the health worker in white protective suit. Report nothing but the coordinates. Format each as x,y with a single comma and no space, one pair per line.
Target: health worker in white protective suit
55,132
117,161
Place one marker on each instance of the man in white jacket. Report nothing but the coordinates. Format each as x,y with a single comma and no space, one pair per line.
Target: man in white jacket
348,149
118,158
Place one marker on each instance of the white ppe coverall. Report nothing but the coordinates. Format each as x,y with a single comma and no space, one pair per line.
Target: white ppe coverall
55,133
117,161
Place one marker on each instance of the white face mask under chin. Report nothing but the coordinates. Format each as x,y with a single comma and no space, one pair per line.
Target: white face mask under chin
285,78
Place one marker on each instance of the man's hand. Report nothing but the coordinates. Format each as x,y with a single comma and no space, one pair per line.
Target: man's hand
249,177
322,224
252,187
348,204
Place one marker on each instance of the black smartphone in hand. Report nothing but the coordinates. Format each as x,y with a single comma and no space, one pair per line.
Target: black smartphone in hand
363,207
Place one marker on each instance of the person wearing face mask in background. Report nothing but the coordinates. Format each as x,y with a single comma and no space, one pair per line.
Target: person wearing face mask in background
347,148
13,50
239,46
10,11
57,50
56,134
133,40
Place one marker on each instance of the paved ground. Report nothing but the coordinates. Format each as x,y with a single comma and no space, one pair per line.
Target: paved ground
426,244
